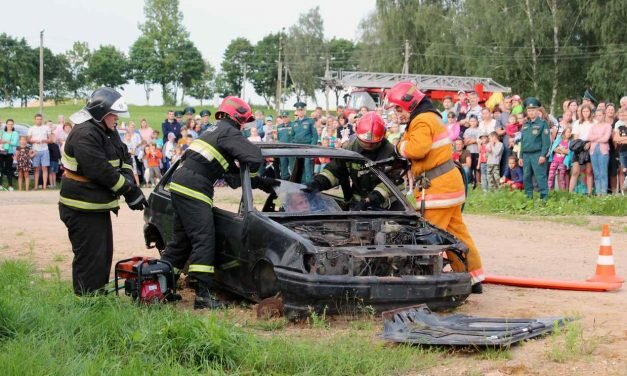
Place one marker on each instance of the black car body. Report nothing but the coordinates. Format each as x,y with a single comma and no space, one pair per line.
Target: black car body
326,259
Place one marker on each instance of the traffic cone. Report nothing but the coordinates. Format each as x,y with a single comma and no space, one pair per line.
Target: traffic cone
606,270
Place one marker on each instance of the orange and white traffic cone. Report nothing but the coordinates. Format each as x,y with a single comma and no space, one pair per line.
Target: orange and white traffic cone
606,269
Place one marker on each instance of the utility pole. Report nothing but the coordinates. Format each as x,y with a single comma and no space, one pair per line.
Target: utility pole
41,72
245,68
406,63
277,102
327,78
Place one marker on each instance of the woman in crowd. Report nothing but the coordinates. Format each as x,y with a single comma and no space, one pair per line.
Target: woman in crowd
614,163
574,110
145,131
599,137
9,141
581,128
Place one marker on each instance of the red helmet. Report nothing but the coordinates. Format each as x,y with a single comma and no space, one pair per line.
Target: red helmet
370,128
404,94
236,109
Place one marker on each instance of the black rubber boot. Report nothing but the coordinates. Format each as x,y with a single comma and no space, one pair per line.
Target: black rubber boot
477,288
204,298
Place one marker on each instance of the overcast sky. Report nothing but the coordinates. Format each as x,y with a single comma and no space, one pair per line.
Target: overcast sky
211,24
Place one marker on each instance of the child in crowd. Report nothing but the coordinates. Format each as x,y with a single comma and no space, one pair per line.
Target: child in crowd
495,151
512,127
321,162
482,169
513,176
558,167
188,141
178,153
23,156
464,158
168,149
55,155
471,141
157,140
183,140
254,135
153,159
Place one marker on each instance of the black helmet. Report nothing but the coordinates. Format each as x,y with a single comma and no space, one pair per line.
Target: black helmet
104,101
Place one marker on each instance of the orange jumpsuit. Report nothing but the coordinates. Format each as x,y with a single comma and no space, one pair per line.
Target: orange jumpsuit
426,145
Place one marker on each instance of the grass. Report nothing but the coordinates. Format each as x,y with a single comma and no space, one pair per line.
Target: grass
155,115
113,336
558,204
570,343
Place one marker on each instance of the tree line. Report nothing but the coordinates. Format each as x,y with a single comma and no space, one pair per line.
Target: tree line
552,49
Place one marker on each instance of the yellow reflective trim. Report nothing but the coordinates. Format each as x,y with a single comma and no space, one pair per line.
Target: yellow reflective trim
383,190
229,265
127,166
69,162
119,184
88,205
329,175
114,162
200,268
190,193
209,152
253,174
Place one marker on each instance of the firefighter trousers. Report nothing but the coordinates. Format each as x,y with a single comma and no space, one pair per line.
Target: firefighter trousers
193,238
91,236
450,219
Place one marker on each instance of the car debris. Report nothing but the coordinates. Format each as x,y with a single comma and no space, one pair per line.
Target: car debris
418,325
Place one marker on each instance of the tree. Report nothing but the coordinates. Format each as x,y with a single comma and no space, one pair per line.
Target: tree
143,64
340,54
189,67
305,45
108,67
18,70
202,87
56,76
263,73
164,30
221,86
78,61
237,56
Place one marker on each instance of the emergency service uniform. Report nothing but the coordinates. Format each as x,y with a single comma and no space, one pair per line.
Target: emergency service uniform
428,148
535,143
364,183
206,160
97,171
304,132
284,134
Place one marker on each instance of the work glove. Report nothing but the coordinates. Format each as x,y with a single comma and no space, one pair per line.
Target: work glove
135,198
233,180
264,183
312,187
360,205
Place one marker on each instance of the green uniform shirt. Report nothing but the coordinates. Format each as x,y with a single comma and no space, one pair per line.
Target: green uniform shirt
304,131
284,133
535,137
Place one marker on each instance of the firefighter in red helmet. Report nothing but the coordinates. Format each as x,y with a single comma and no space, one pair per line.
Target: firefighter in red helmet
364,189
427,147
209,158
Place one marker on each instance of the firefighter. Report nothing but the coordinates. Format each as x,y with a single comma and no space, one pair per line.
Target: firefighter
209,158
367,190
97,171
427,147
304,132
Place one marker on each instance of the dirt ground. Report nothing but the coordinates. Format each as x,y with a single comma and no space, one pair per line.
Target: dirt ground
31,230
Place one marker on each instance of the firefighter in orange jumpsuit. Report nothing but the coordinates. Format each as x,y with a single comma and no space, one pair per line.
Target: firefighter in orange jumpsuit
427,147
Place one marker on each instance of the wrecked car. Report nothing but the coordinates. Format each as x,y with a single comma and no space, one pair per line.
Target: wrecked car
316,253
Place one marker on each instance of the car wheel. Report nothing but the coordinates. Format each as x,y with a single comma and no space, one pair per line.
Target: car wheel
266,280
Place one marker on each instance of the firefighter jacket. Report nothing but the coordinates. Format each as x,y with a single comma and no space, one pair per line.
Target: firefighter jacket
363,180
426,145
98,168
210,156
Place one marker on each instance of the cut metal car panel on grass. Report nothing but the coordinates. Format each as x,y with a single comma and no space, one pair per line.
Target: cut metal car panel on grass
323,256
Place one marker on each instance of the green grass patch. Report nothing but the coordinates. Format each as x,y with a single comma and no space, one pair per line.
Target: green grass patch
570,342
559,203
114,336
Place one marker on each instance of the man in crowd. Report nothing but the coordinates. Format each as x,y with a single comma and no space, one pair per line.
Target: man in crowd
204,122
427,147
189,114
304,132
170,125
588,99
98,170
39,137
284,134
367,190
535,143
209,158
447,103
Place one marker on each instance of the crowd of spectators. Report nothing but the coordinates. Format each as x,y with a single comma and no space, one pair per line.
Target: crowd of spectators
588,151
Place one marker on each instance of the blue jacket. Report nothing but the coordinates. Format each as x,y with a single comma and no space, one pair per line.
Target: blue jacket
515,174
168,127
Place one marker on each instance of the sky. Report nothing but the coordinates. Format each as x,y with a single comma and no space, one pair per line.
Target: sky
211,24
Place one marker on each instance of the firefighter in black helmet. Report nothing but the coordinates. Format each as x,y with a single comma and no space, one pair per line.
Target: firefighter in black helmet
209,158
97,171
